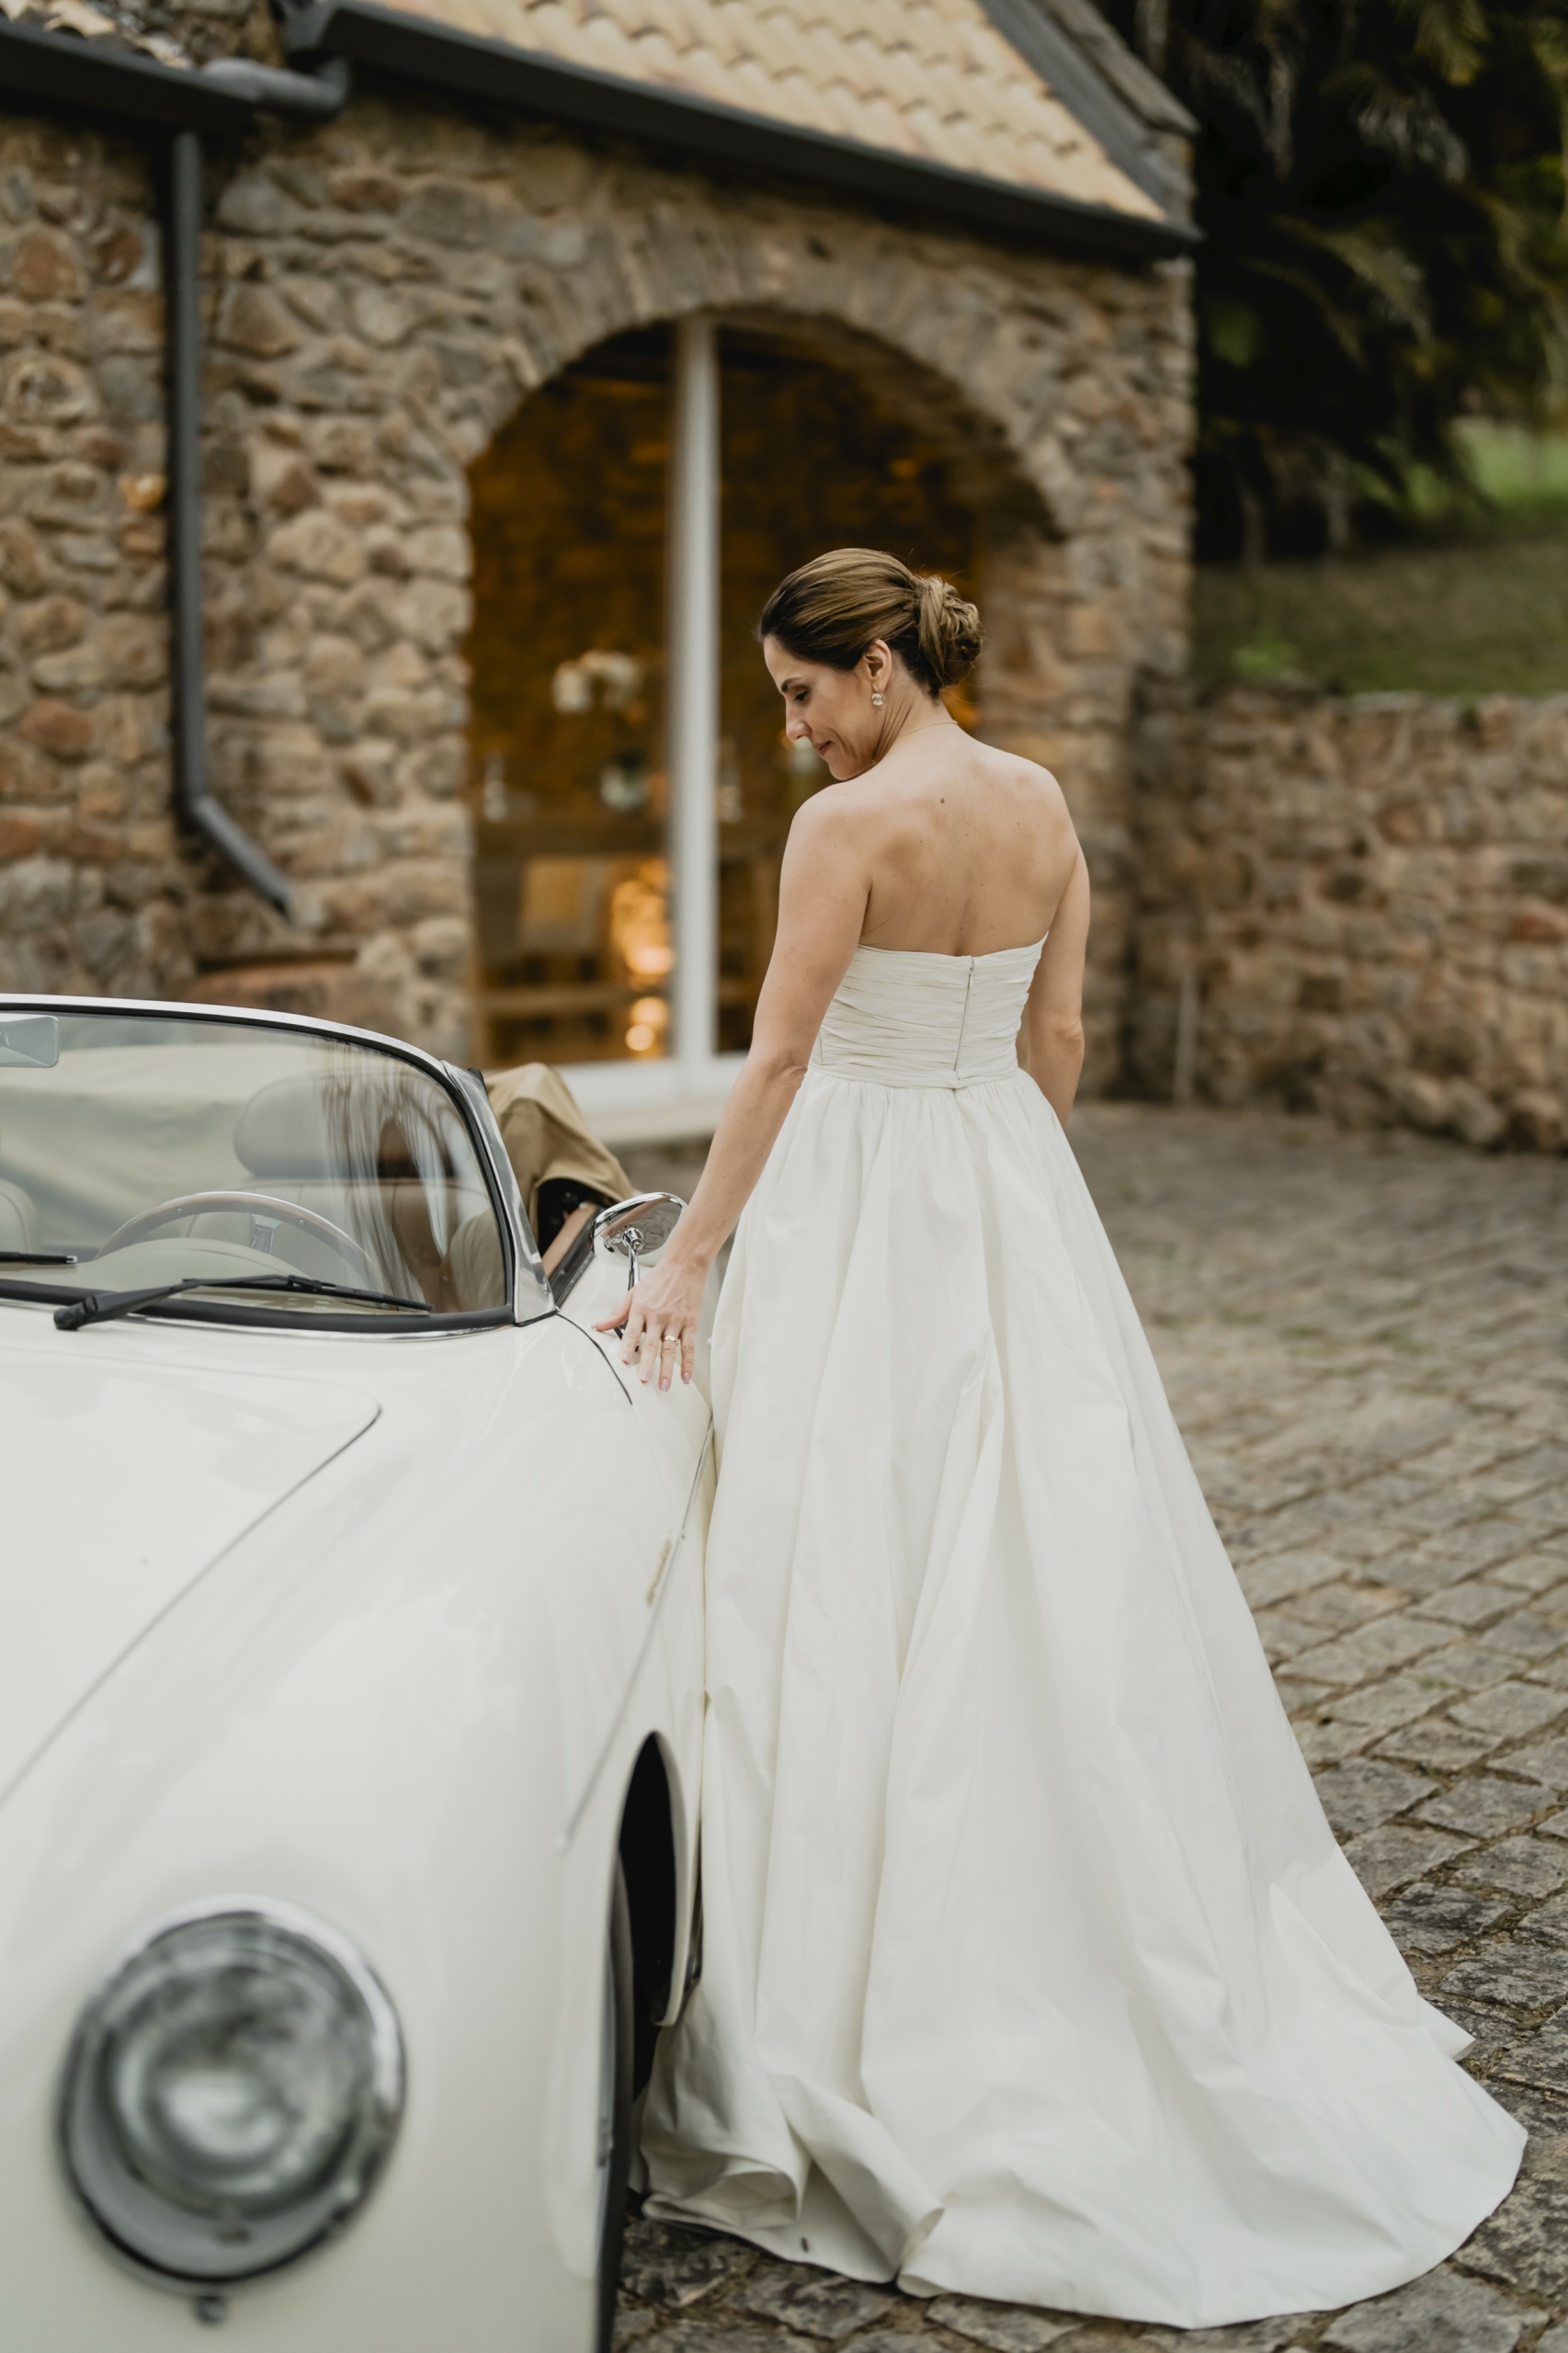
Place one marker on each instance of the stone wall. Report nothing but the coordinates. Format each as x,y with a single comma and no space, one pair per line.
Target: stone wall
1370,897
93,892
383,294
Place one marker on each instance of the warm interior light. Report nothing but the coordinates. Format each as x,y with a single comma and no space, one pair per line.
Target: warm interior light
639,921
650,1019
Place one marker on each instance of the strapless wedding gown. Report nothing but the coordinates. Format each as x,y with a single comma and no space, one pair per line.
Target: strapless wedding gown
1032,1968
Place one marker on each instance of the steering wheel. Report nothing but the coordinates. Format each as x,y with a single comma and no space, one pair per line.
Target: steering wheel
290,1212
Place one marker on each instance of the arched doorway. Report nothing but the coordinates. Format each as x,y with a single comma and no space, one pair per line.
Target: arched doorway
579,935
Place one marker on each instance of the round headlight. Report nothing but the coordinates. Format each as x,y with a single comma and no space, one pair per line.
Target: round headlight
230,2091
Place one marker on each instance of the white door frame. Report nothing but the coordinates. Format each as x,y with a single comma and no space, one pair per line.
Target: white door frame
683,1093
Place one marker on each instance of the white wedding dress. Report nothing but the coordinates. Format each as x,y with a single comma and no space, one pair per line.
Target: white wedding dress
1030,1966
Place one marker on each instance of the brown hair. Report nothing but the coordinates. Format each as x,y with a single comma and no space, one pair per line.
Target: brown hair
836,606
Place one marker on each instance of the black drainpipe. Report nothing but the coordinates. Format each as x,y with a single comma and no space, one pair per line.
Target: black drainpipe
286,93
193,798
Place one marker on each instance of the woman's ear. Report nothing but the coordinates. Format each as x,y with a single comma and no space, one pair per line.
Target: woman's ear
878,659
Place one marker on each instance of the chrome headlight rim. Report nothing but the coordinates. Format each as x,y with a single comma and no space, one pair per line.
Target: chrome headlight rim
266,1916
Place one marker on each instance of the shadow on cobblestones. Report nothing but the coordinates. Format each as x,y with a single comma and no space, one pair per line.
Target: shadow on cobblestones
1366,1343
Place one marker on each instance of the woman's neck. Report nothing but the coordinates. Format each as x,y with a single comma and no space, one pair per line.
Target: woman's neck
911,713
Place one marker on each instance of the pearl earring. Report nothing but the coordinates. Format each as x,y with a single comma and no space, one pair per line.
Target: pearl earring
876,699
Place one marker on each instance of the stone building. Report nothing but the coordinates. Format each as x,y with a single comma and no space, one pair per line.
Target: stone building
404,414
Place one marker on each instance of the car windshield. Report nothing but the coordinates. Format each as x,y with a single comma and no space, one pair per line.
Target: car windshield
149,1150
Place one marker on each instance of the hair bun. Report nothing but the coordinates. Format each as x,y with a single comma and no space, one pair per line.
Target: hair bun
949,628
840,603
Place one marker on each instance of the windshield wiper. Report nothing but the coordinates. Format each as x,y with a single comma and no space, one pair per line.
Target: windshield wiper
39,1259
100,1306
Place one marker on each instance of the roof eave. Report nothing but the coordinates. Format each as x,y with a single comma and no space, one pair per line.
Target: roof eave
702,130
1076,73
114,83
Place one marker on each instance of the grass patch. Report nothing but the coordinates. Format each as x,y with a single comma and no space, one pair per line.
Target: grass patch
1485,619
1522,474
1475,604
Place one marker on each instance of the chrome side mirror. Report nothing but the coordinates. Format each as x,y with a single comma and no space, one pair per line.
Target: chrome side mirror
634,1228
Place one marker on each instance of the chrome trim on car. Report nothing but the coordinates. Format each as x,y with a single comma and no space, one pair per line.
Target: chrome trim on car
635,1228
532,1294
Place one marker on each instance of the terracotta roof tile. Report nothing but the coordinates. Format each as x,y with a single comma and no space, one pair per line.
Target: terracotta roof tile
932,78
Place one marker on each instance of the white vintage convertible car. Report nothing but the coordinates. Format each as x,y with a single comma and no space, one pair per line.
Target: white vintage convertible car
350,1701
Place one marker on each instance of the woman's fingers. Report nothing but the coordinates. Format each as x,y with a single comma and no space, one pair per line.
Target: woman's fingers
639,1344
636,1324
656,1346
657,1341
661,1348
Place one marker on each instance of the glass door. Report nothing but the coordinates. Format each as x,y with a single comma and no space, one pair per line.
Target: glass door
573,882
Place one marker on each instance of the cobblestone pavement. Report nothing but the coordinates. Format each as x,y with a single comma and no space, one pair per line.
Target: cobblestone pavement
1366,1343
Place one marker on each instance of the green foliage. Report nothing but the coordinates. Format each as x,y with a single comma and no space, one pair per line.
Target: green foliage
1267,655
1380,186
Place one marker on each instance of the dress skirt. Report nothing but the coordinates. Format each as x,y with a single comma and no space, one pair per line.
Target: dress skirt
1032,1968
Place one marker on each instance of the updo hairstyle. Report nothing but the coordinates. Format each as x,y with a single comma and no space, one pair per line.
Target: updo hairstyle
836,606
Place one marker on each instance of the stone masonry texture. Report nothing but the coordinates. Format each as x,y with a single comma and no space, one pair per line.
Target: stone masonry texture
1365,1338
92,889
383,294
1370,897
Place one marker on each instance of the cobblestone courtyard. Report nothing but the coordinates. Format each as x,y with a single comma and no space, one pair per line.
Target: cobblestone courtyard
1366,1343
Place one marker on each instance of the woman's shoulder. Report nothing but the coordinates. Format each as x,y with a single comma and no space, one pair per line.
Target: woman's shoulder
835,831
863,807
1006,793
1025,776
826,811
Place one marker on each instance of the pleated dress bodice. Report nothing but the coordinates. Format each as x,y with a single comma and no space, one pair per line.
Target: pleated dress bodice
906,1017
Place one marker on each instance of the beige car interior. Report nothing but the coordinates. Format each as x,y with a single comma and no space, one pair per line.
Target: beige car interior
564,1172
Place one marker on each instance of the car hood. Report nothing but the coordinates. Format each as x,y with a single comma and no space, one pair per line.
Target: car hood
124,1480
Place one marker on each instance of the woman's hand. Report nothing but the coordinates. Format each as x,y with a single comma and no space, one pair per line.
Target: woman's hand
661,1312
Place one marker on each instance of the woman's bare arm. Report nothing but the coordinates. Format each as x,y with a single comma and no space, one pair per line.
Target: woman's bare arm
1052,1045
822,890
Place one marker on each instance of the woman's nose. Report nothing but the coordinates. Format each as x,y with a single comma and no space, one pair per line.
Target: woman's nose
795,727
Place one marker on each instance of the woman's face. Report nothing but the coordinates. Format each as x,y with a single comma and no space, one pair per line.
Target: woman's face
832,710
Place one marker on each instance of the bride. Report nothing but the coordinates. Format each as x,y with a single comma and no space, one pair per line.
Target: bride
1032,1968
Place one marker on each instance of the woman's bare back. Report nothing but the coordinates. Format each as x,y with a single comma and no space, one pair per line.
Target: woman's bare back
968,849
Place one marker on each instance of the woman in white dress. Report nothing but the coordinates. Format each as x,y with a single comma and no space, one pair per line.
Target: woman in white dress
1032,1968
